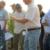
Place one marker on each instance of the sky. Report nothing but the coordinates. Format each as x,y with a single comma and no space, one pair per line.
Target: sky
44,3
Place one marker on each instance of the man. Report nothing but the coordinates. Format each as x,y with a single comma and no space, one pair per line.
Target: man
32,26
41,12
3,20
42,27
19,14
13,7
32,23
4,14
46,23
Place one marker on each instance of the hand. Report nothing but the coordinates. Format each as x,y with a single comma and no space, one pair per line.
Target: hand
46,23
14,18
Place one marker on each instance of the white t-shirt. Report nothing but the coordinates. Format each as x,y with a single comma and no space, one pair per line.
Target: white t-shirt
18,26
33,15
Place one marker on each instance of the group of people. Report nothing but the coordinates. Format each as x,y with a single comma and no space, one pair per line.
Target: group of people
34,23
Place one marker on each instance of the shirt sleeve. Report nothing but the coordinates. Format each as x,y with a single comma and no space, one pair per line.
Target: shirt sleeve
44,19
32,14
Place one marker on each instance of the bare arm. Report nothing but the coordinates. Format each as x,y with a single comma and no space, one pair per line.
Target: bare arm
45,24
23,20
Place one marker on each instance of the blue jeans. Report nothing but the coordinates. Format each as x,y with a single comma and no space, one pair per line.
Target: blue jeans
47,43
2,40
31,39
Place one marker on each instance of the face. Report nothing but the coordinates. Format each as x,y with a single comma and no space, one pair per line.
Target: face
2,5
27,1
19,9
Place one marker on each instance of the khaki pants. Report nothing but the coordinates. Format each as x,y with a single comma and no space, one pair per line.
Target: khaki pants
18,42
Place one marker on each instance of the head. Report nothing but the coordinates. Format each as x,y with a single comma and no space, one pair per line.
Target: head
27,1
40,7
18,8
2,4
13,7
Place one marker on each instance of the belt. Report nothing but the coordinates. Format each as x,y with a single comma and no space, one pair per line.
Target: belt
34,28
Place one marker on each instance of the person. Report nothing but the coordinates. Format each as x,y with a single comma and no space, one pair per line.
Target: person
13,7
3,21
3,13
18,38
42,27
46,23
32,24
41,12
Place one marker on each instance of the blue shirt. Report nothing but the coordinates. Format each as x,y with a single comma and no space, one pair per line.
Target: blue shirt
3,17
3,14
47,18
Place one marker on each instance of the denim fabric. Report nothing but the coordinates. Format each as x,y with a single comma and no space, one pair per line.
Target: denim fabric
47,43
31,39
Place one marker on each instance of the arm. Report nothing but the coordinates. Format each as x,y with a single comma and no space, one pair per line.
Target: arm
23,21
44,21
45,24
6,18
28,18
20,20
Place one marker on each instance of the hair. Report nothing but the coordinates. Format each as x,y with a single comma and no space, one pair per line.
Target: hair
13,5
18,6
3,3
39,5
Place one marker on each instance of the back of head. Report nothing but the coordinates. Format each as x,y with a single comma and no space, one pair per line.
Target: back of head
40,7
13,7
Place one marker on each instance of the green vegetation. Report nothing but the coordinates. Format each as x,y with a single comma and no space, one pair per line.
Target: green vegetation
10,24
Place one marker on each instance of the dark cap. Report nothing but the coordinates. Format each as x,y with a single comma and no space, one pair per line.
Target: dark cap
18,6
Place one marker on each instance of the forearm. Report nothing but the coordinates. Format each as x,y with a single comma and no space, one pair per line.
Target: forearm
45,24
23,21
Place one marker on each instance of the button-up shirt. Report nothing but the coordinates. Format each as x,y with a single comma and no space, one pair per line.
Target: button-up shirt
47,18
33,15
